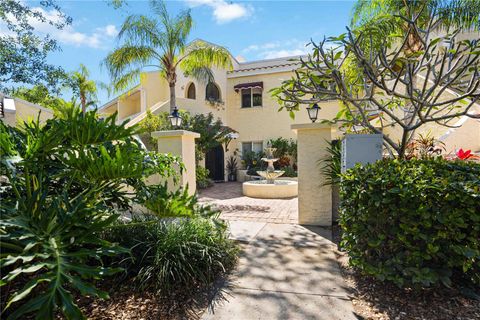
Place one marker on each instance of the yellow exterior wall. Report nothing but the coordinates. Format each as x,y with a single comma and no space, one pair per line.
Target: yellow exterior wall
466,137
129,105
155,87
25,111
179,143
266,122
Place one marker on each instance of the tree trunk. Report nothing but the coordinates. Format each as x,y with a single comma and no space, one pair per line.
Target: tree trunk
83,102
172,96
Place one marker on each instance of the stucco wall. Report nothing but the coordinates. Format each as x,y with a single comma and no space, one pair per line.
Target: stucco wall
25,111
264,123
128,105
155,87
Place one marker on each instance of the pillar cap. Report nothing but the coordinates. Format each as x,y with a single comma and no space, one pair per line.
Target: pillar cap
175,133
310,126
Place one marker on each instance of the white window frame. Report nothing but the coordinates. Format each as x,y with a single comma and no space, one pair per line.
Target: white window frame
252,143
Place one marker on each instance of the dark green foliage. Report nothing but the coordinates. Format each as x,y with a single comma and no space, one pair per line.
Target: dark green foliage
38,94
151,123
23,52
164,203
253,162
232,166
173,255
212,131
415,223
331,164
203,178
285,147
289,172
64,180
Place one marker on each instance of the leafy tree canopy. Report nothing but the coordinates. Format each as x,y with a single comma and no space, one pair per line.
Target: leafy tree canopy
38,94
23,52
394,90
212,131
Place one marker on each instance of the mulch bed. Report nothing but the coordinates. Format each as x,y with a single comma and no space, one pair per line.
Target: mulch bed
377,300
126,302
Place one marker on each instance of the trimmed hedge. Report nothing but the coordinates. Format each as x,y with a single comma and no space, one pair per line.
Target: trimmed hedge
416,223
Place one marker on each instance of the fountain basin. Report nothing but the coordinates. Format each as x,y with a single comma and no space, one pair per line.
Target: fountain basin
277,190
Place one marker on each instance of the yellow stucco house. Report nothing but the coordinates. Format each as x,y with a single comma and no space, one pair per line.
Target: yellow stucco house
243,103
14,111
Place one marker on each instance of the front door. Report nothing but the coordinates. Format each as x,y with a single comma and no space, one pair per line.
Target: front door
214,162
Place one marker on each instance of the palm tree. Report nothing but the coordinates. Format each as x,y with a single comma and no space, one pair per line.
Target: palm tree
82,87
161,43
382,17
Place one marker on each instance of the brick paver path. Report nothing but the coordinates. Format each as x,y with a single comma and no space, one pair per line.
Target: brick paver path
234,205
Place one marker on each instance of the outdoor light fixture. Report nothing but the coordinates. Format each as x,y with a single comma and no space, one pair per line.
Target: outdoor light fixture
229,137
175,118
313,112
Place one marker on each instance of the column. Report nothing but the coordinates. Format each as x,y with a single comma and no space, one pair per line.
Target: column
179,143
314,199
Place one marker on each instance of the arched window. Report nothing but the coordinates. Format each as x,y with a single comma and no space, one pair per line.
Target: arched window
212,93
191,91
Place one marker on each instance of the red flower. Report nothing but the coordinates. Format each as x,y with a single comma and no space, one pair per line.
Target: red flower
464,155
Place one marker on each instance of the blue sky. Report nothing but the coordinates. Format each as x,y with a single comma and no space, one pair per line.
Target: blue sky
253,29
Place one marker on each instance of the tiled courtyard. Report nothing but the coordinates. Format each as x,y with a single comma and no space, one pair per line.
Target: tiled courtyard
234,205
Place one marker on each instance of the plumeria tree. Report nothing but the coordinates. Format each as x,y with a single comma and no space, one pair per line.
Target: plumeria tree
160,42
392,89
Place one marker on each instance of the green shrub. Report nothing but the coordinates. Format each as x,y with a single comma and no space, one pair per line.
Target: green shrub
172,255
413,222
63,180
164,203
289,172
285,147
203,178
253,162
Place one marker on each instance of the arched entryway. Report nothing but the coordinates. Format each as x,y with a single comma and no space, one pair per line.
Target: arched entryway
214,162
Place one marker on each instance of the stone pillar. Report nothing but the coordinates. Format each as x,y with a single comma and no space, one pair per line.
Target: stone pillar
314,199
180,143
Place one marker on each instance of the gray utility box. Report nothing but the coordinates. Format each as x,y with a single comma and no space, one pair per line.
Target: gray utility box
361,148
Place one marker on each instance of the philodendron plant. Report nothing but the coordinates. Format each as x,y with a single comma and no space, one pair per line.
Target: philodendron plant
61,185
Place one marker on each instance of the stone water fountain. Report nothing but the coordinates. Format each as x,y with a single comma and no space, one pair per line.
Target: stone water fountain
270,188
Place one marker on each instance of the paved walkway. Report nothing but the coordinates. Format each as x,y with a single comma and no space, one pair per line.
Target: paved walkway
235,206
286,271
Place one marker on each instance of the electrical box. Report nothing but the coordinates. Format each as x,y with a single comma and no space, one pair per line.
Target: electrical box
361,148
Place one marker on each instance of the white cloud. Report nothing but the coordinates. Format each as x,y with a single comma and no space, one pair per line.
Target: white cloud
278,49
223,11
68,35
109,30
283,53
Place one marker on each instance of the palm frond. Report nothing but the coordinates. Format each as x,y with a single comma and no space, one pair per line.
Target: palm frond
201,56
203,74
125,64
461,14
141,30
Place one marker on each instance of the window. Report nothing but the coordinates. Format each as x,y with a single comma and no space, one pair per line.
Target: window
191,91
251,97
212,93
255,146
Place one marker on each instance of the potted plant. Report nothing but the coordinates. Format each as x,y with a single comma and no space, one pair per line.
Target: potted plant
232,167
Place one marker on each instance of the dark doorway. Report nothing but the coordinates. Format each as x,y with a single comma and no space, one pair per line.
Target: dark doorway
214,162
